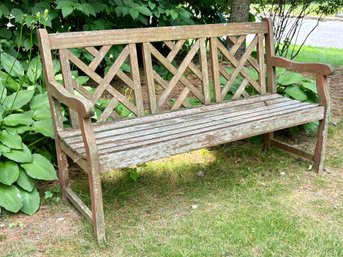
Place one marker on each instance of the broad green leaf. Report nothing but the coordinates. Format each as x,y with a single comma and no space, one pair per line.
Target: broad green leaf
3,90
134,13
44,127
42,114
10,198
62,3
17,100
23,129
290,78
11,141
152,5
311,127
4,149
18,119
31,201
144,10
11,65
9,82
81,79
40,168
24,181
24,155
66,10
34,70
296,93
9,172
173,14
39,102
310,86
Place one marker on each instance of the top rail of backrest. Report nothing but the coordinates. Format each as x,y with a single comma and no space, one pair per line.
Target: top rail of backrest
140,35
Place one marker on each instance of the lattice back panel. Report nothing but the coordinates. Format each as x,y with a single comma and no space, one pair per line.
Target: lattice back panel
114,87
176,79
237,78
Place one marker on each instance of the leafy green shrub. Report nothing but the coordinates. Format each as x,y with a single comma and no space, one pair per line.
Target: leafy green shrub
296,86
25,131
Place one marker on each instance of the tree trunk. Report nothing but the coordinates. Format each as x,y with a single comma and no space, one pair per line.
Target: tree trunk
239,12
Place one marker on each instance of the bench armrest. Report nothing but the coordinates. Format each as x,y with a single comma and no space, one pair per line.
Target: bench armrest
80,105
315,68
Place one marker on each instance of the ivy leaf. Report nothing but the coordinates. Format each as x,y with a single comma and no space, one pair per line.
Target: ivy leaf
40,168
22,156
10,198
18,119
31,201
296,93
134,13
34,70
44,127
11,141
24,181
39,101
11,65
9,172
17,100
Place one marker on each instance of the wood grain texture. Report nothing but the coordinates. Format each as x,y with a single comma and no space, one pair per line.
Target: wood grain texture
141,35
81,105
316,68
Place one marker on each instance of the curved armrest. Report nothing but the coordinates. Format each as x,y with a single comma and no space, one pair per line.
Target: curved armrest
316,68
80,105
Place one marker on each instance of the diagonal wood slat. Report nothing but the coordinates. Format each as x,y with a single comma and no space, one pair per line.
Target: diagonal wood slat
237,43
238,66
174,71
104,84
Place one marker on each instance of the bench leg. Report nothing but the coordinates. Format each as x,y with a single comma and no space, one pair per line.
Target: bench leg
266,140
63,173
320,150
98,220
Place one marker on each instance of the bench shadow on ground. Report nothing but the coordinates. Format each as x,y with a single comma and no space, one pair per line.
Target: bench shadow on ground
185,180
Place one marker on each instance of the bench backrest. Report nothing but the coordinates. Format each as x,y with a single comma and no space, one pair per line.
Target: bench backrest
207,72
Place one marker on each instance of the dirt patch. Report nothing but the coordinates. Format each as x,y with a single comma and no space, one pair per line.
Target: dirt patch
49,222
336,92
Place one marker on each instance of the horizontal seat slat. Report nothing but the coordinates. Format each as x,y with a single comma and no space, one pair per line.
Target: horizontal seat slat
152,152
207,125
120,145
70,133
140,129
175,126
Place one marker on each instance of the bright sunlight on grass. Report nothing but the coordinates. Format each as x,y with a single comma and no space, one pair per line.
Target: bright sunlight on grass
331,56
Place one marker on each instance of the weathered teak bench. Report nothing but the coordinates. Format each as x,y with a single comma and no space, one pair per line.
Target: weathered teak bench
255,107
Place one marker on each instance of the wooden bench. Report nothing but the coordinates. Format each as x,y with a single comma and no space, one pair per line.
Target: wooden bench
164,123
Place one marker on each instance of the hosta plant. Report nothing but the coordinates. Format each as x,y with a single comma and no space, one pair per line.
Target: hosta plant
26,133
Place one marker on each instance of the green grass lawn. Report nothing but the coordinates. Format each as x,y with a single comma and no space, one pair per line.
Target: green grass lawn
331,56
249,203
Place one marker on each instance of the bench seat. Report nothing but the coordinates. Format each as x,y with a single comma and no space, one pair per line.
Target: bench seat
130,142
